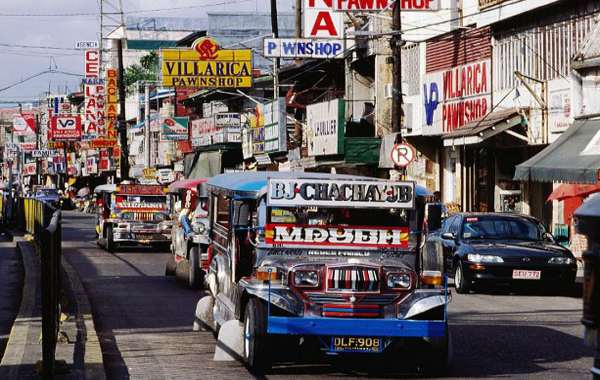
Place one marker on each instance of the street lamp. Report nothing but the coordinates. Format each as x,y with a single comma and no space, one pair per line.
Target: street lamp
587,219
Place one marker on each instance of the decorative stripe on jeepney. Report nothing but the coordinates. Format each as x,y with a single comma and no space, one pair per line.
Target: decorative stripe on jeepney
352,278
351,311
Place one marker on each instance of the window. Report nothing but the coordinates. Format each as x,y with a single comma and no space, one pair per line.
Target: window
447,223
221,210
455,226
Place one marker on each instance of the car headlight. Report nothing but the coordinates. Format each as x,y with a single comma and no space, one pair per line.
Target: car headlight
477,258
398,280
560,260
306,278
198,228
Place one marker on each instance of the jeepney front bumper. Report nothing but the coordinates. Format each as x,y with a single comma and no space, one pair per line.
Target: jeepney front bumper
142,233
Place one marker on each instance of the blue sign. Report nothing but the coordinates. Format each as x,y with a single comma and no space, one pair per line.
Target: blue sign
304,48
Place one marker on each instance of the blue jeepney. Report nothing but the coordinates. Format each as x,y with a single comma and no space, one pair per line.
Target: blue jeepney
332,258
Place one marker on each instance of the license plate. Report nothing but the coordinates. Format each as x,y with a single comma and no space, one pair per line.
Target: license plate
355,344
527,274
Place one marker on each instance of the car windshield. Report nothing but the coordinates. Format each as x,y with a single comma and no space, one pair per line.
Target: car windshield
498,227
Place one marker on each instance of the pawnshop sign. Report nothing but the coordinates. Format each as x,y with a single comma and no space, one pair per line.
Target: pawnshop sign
457,96
380,5
328,193
303,48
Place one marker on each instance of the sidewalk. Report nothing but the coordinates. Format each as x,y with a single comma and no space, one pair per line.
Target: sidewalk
11,284
78,344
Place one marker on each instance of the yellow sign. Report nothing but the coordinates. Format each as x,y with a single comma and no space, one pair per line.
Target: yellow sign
150,173
205,65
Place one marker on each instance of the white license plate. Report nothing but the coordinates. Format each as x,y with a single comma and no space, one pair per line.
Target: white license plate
527,274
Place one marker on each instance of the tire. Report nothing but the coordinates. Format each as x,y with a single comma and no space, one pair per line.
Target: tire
111,246
182,272
257,350
461,284
195,274
170,266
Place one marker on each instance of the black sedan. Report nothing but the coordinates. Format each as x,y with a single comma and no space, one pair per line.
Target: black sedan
494,249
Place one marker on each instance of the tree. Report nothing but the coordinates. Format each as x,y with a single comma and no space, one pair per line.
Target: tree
147,70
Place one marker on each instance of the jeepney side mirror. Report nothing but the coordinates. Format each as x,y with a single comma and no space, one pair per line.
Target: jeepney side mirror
433,212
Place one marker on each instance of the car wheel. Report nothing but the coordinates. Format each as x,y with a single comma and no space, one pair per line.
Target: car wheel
257,355
111,246
195,275
170,266
461,284
182,271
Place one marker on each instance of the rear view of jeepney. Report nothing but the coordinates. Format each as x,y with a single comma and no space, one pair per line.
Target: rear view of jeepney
338,262
139,215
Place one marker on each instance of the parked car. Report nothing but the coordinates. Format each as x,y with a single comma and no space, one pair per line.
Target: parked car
491,248
332,259
50,196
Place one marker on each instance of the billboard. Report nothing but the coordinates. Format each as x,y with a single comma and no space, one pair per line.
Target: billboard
206,65
174,129
65,128
24,124
325,128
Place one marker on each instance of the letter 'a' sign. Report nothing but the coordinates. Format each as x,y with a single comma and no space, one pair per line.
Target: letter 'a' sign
321,20
329,193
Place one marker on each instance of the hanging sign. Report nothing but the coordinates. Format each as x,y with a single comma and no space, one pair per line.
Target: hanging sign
206,65
44,153
381,5
92,63
65,128
303,48
174,129
403,155
325,128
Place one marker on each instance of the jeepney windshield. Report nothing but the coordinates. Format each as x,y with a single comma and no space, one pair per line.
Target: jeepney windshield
150,208
318,216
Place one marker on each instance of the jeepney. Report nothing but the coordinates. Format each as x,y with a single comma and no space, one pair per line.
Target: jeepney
132,214
189,243
330,259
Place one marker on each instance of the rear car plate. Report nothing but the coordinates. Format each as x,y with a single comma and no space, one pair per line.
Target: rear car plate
356,344
527,274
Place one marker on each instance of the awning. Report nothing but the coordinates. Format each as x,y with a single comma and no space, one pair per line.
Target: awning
573,158
493,124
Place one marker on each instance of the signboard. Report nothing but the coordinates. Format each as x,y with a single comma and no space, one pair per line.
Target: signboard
30,169
303,48
206,65
91,165
44,153
165,176
321,21
92,63
66,128
328,193
24,124
247,144
141,190
93,110
457,96
381,5
86,45
174,129
202,131
150,173
403,155
107,133
325,128
336,236
220,128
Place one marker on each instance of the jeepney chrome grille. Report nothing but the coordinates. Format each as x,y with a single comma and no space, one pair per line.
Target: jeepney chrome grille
358,279
371,299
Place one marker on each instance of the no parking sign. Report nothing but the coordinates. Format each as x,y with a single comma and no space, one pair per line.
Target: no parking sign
403,155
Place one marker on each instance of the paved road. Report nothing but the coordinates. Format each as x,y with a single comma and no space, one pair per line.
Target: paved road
144,322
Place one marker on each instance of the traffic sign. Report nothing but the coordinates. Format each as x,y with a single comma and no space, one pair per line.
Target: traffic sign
403,155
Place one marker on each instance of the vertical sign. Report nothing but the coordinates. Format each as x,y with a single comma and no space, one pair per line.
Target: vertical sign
92,63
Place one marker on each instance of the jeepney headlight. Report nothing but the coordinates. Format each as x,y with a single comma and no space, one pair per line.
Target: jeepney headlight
306,278
198,228
398,281
560,260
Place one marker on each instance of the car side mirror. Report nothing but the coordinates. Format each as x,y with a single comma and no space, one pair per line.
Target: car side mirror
448,236
549,238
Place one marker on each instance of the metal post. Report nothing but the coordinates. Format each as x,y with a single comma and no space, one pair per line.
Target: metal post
147,123
122,124
275,29
397,70
298,18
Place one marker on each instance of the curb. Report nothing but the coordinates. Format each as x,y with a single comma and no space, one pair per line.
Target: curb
20,335
94,365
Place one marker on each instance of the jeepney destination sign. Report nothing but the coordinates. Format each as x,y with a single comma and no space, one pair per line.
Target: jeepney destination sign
327,193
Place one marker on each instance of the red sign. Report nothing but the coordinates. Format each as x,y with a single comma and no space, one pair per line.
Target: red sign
403,155
381,5
359,236
65,128
92,63
207,48
104,160
24,124
321,20
93,110
30,169
141,189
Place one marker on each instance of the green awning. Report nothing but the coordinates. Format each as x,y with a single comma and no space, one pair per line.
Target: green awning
573,158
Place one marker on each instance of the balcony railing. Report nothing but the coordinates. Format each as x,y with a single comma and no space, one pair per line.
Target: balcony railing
489,3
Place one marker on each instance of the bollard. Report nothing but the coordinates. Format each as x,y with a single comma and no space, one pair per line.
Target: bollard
587,219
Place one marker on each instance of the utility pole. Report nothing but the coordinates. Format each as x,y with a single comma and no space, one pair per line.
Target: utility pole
38,169
275,29
396,44
122,124
147,123
298,18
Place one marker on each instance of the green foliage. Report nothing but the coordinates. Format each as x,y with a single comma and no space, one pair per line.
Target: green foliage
147,70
